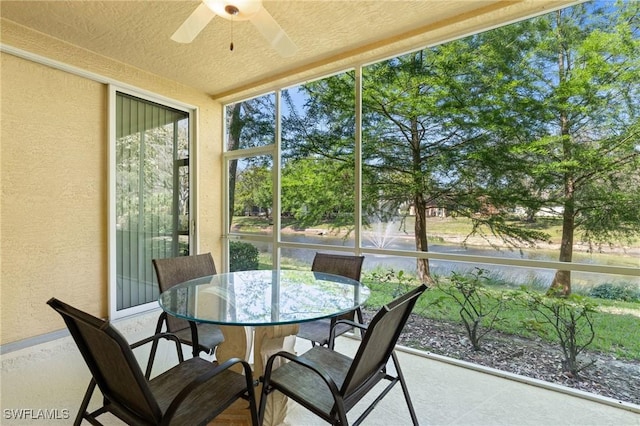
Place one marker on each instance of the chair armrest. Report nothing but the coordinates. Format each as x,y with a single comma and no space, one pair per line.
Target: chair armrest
351,323
157,337
305,363
200,380
332,333
161,320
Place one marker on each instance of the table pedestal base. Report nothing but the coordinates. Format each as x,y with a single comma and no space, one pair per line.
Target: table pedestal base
267,340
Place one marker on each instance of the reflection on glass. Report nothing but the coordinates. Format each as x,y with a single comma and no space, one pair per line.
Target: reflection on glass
264,297
151,194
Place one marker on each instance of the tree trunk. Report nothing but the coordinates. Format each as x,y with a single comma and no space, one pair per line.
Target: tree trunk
420,228
561,284
424,274
235,127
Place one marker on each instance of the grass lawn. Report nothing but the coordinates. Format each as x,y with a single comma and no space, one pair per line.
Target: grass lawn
615,323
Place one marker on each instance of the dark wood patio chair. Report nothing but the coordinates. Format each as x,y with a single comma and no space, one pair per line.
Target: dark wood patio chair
329,383
201,337
337,264
191,393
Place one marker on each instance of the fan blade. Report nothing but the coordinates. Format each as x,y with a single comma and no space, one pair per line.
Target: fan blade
274,34
192,26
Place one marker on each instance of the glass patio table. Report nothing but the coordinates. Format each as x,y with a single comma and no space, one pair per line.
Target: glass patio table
263,297
261,309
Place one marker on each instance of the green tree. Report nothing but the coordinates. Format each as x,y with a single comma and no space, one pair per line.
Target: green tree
249,124
316,190
318,152
586,72
541,114
254,188
428,118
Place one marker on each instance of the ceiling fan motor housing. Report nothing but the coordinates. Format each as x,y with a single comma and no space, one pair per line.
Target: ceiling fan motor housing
237,10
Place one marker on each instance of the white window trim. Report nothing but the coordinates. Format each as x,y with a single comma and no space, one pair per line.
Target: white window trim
111,193
358,249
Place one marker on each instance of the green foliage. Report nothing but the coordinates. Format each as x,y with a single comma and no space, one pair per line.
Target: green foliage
397,283
242,256
253,189
584,159
386,285
250,124
539,115
615,323
313,192
570,319
615,333
615,292
480,308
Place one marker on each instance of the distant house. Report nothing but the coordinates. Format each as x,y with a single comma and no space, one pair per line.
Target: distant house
431,211
435,211
555,211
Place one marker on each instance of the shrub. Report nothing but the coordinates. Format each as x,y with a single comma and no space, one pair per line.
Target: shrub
242,256
397,282
615,292
480,307
386,285
569,318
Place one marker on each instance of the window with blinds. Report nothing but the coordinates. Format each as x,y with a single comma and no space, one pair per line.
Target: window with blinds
151,194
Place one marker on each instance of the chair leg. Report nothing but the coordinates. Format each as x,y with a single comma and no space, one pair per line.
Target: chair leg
154,346
152,357
263,402
251,393
82,411
405,389
266,379
331,342
194,339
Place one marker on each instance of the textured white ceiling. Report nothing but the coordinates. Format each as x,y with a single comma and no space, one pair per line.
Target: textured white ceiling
329,34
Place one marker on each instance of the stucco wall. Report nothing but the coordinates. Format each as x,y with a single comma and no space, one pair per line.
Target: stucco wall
54,179
53,194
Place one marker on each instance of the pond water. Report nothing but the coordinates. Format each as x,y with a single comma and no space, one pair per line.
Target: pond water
513,275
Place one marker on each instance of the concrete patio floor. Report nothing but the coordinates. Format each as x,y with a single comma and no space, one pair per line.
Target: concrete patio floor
52,376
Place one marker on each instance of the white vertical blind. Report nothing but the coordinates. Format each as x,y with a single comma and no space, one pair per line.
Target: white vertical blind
151,206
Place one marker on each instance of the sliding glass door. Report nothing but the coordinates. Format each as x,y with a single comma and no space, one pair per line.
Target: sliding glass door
150,196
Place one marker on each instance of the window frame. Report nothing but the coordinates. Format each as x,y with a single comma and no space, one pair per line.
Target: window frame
358,249
192,113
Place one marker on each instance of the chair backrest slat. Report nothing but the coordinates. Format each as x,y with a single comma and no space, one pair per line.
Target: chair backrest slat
380,339
338,264
174,270
111,362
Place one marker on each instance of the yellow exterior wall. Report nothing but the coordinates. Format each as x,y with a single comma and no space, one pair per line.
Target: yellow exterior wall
53,194
54,179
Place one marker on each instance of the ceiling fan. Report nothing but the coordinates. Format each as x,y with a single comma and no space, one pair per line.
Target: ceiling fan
236,10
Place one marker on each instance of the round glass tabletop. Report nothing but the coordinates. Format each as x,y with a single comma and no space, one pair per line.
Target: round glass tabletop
263,297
